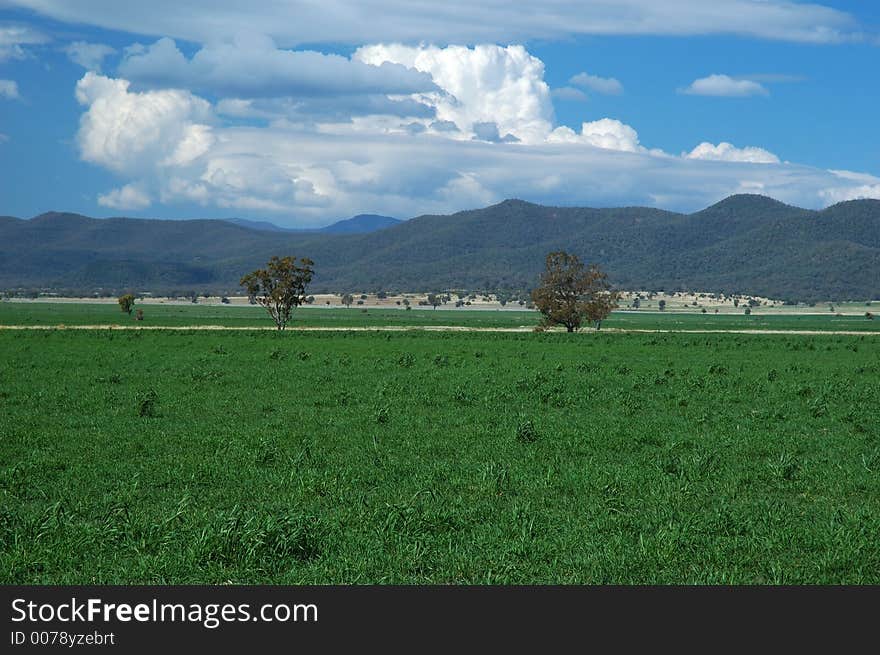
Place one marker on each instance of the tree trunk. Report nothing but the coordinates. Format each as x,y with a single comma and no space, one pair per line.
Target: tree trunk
570,328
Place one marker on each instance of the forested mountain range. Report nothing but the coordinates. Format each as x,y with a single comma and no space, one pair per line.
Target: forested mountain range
745,244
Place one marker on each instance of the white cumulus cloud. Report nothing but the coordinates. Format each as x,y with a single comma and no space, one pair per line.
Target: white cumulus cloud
728,152
853,186
172,147
606,133
127,131
483,84
606,85
88,55
128,197
724,86
14,40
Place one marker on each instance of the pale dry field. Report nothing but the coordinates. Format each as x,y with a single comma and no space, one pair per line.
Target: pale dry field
690,303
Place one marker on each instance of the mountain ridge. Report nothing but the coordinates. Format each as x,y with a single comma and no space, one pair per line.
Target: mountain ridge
742,244
359,224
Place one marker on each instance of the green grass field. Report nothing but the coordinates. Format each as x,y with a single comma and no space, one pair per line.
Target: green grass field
39,313
256,457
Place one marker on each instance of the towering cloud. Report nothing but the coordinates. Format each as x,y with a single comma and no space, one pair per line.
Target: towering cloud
484,84
128,132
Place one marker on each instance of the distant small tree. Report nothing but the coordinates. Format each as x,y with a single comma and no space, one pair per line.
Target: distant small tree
347,299
406,302
571,293
434,300
747,311
869,316
280,287
224,300
662,305
139,315
126,303
637,302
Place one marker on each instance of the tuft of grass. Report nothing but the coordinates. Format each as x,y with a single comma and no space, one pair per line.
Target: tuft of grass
146,404
526,432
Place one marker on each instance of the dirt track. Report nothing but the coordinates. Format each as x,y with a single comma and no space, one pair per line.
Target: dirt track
434,328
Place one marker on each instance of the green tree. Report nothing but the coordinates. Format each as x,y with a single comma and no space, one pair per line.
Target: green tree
662,305
347,299
434,300
126,303
571,293
280,287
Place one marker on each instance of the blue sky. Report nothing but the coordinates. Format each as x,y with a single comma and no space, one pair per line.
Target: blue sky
297,116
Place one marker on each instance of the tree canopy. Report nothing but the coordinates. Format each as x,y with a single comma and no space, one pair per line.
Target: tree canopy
280,287
570,293
126,303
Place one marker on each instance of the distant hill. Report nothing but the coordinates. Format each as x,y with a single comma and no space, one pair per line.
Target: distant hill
745,244
266,226
360,224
